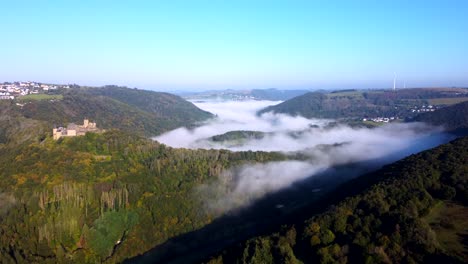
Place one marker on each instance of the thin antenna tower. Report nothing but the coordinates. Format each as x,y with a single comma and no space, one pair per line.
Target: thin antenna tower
404,85
394,81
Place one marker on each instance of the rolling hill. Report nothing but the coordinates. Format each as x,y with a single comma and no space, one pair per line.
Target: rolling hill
164,106
358,104
143,112
454,118
254,94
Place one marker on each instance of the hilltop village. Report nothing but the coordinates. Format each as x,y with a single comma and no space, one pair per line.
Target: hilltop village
73,130
12,90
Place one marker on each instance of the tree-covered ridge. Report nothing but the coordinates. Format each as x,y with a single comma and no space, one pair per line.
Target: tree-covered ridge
320,105
357,104
102,197
390,222
453,118
238,135
166,106
144,112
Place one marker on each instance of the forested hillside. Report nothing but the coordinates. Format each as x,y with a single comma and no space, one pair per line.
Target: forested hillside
143,112
166,107
238,135
102,197
414,213
454,118
358,104
16,129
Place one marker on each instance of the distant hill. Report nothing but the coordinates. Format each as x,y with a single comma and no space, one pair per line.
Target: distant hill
320,105
412,211
143,112
254,94
453,118
358,104
275,94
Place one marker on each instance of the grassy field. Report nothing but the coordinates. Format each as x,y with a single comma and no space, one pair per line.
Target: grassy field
30,97
449,222
447,101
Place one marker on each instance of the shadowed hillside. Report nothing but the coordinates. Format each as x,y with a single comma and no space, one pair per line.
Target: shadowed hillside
414,212
454,118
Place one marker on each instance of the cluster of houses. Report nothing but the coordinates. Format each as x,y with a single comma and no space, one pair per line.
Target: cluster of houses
414,110
380,119
73,130
9,91
424,108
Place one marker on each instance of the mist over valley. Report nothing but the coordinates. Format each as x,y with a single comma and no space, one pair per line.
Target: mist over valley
321,144
224,132
217,173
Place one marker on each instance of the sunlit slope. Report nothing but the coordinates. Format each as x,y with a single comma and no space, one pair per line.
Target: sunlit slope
166,107
144,112
103,197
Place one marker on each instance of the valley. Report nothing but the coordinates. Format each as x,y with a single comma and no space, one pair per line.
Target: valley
234,132
189,193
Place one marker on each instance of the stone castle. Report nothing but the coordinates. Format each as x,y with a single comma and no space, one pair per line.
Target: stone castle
73,130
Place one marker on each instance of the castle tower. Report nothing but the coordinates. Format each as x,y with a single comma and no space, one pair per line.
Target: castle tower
54,134
86,123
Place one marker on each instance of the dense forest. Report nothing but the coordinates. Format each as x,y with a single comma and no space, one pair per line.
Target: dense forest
238,135
102,197
165,106
358,104
415,212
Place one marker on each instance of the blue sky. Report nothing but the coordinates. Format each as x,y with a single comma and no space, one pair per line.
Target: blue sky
183,45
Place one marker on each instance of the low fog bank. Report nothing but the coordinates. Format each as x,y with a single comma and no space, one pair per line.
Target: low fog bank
240,186
321,145
283,132
234,116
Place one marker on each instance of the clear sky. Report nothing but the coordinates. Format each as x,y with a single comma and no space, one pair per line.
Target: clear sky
173,44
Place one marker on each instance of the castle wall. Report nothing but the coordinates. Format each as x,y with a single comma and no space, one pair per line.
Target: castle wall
71,132
74,130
